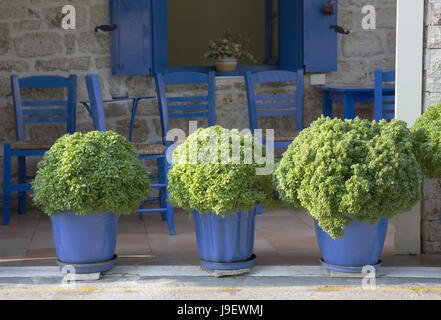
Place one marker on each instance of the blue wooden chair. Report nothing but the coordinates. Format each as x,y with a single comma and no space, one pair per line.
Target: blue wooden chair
184,106
384,101
145,151
47,111
275,105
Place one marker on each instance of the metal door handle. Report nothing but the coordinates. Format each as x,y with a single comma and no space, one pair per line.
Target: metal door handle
339,29
106,28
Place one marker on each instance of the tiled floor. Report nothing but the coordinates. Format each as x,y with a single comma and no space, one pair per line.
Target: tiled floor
283,237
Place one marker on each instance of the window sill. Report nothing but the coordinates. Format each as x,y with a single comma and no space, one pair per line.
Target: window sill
241,70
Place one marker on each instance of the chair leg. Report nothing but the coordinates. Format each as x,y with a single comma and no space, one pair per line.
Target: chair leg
6,183
132,119
162,192
170,209
259,209
22,180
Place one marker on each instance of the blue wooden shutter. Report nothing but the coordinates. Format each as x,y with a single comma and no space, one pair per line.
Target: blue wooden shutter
290,34
131,42
160,36
320,42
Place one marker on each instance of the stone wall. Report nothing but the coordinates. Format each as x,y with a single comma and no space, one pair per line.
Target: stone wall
32,42
431,204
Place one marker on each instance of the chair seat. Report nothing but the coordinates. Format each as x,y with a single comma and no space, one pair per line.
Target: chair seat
144,149
284,138
32,145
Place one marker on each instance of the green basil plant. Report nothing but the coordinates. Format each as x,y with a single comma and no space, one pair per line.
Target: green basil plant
339,170
427,131
204,179
91,173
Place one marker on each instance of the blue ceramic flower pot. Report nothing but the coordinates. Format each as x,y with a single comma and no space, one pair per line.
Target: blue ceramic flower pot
85,243
361,245
225,243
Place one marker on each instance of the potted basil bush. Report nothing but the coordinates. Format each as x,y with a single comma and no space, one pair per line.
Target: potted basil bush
351,176
84,182
427,131
211,177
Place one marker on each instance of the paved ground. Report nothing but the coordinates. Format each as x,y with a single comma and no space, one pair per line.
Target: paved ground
190,282
283,237
154,265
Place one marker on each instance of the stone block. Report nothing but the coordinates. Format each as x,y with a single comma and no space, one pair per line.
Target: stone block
431,189
26,25
99,14
70,43
434,229
5,87
433,37
141,130
38,45
141,86
429,247
102,62
430,99
117,110
14,66
63,64
85,127
430,209
47,131
14,10
93,43
148,108
5,42
362,44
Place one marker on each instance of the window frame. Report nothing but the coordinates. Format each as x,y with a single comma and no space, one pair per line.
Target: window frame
303,31
161,32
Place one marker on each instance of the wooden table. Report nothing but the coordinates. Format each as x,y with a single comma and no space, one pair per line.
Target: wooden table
349,95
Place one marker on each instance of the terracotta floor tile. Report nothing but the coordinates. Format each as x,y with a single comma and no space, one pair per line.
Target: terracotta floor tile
48,253
39,263
30,216
44,226
14,247
24,230
180,260
300,258
262,245
131,227
132,244
180,244
42,240
269,258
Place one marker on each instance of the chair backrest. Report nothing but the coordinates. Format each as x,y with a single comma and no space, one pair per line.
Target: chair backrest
185,106
96,102
44,111
384,102
274,105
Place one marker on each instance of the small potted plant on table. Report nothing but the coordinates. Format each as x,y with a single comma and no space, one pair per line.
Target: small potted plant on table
351,176
211,177
227,50
84,182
